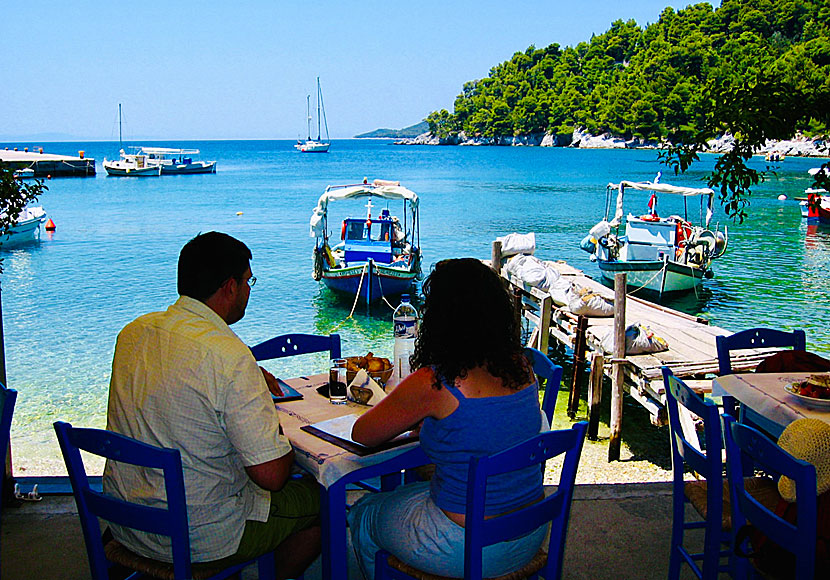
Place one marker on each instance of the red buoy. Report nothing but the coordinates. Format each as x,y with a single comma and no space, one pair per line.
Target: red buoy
50,225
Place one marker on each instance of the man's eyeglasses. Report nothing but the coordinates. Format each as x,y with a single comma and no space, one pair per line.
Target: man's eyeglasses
252,281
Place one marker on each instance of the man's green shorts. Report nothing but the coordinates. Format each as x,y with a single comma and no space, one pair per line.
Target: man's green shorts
293,508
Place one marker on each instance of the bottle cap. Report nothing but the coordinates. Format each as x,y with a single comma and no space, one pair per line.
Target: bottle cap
404,297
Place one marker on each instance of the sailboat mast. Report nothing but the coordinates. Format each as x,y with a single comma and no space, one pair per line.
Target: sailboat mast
120,144
318,108
308,115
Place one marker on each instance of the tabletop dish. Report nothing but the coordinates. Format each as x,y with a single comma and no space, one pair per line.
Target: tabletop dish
795,388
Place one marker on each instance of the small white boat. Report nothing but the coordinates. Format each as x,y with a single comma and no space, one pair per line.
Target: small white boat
26,228
660,255
26,173
177,161
315,145
130,164
819,213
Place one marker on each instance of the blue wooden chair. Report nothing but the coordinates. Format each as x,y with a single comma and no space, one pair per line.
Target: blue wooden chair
170,521
552,373
753,338
7,401
706,495
747,448
294,344
481,532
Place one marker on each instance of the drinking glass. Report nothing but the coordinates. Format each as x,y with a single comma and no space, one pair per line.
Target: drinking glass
337,382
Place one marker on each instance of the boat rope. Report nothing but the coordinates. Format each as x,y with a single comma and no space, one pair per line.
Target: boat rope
647,282
382,295
356,298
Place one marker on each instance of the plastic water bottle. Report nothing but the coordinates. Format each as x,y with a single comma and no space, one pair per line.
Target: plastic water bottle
405,320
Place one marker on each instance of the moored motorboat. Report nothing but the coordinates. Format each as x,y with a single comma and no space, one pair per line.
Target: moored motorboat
816,207
26,228
659,255
177,161
377,256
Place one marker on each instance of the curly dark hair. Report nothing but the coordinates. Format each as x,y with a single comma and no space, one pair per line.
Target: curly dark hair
469,321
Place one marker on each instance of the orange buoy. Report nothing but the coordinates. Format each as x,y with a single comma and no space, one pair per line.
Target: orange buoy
50,225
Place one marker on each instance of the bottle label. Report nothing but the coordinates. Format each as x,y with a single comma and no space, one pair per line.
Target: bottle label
405,327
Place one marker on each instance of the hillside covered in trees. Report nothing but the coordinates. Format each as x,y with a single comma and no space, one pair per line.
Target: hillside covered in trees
656,82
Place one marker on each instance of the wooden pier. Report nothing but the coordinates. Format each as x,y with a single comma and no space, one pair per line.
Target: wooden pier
47,164
692,354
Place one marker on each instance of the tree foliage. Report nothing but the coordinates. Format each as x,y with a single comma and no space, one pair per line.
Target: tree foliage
756,69
14,195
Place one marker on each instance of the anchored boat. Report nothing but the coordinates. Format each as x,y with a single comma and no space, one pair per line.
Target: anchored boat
658,254
315,145
816,208
177,161
26,228
129,164
377,255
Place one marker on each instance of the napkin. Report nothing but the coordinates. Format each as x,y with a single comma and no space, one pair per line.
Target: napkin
362,379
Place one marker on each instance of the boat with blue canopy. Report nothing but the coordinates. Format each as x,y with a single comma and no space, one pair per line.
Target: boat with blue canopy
378,255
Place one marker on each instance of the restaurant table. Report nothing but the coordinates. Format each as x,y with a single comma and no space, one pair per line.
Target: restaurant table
331,465
764,401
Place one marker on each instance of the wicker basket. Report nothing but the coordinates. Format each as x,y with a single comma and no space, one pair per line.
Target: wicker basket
380,377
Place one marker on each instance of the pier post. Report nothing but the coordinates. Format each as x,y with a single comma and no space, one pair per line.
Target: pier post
595,394
544,323
579,365
617,375
495,257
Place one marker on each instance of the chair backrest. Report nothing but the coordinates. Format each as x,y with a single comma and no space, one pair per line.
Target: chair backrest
294,344
706,458
171,522
7,400
555,508
552,373
756,338
748,448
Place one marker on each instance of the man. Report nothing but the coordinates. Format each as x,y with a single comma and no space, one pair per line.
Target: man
183,379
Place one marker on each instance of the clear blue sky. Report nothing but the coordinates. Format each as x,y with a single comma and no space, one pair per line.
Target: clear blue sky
237,70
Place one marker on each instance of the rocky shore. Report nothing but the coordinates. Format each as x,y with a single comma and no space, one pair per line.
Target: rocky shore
799,146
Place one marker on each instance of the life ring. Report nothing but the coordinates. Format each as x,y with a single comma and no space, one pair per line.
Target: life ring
650,217
343,231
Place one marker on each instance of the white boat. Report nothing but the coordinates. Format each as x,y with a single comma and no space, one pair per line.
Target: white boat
659,254
315,145
820,212
129,164
177,161
26,228
25,173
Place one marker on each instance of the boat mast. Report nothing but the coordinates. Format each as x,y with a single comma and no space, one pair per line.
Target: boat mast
319,96
308,115
120,144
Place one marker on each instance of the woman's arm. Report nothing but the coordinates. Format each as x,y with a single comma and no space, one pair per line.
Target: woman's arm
406,406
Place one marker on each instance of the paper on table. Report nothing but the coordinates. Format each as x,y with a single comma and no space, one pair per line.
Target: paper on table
362,379
339,432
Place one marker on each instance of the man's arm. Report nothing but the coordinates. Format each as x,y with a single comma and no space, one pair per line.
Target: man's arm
273,474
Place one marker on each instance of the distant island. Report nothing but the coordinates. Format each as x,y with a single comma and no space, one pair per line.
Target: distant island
407,132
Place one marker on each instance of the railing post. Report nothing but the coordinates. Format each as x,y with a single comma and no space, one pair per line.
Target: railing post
579,365
617,375
595,394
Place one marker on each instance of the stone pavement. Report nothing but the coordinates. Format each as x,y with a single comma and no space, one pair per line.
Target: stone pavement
617,531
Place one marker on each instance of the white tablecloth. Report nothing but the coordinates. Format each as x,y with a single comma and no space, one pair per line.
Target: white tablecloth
764,393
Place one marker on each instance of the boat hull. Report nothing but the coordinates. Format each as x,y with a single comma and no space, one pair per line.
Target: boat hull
654,276
189,168
27,229
369,280
313,147
817,215
119,170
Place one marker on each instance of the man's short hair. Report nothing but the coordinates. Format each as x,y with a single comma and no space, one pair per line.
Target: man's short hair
207,261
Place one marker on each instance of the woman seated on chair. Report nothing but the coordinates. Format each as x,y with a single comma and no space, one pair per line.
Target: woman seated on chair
476,395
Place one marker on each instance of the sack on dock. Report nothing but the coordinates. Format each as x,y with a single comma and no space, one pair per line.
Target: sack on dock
583,302
517,244
559,288
639,339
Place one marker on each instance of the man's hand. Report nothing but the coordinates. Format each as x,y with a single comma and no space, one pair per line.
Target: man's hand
272,383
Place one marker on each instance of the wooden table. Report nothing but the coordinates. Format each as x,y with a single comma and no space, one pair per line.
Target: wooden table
332,466
764,400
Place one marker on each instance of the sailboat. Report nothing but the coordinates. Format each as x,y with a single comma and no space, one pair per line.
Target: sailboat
130,164
315,145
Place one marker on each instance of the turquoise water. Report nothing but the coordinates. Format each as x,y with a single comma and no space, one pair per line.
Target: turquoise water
113,255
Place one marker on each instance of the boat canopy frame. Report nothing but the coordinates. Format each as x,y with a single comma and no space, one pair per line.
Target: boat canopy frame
656,187
390,190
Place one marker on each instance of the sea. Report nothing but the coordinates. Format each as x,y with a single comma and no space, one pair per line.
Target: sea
112,256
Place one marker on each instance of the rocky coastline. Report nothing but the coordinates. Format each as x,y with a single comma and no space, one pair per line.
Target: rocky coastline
798,146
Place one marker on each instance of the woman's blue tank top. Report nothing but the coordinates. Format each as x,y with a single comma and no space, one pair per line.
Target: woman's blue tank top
477,428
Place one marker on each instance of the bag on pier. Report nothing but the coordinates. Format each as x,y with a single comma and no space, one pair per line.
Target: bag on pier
583,302
517,243
639,339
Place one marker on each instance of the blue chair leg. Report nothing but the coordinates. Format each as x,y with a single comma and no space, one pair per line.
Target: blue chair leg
679,510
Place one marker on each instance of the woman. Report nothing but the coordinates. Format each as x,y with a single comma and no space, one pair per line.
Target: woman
476,395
